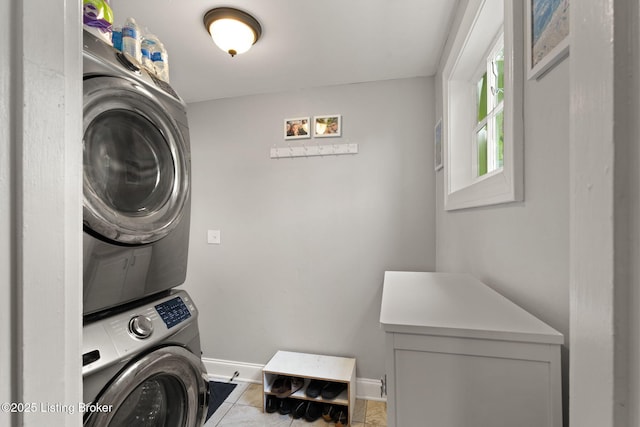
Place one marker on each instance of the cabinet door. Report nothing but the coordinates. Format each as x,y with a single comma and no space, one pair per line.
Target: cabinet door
461,383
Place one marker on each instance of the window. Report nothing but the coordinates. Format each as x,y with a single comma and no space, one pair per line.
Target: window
488,133
482,106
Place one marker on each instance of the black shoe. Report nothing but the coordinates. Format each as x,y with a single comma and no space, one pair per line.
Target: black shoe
314,411
314,388
328,412
272,404
299,409
332,390
341,417
284,406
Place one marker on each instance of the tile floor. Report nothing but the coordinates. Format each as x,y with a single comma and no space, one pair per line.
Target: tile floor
243,408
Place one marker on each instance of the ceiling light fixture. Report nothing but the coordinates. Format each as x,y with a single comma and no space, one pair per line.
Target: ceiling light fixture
232,30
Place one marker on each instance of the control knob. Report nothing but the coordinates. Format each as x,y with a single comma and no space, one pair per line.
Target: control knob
140,326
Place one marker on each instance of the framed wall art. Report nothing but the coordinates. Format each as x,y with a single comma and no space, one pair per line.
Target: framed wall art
325,126
297,128
547,35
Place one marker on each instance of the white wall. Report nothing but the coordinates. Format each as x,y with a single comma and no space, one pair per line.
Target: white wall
40,210
604,214
522,249
631,234
305,241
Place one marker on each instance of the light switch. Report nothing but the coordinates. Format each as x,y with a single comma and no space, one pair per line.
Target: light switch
213,237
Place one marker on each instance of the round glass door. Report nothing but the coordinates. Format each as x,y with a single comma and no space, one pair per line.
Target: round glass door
136,170
157,402
166,388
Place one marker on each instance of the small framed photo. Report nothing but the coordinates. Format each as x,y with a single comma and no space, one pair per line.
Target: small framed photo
297,128
325,126
547,35
437,146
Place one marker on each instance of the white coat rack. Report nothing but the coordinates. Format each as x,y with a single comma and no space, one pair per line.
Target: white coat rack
313,150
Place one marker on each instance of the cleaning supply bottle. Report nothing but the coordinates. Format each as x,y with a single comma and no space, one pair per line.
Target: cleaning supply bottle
131,39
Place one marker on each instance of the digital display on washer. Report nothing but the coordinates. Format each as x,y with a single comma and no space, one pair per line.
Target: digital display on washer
173,312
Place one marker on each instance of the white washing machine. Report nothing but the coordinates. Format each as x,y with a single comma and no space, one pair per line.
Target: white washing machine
142,365
136,186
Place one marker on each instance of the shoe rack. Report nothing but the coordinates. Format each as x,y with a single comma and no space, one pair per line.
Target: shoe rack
312,367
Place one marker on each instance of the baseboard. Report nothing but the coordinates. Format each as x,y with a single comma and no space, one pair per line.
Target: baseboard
369,389
224,370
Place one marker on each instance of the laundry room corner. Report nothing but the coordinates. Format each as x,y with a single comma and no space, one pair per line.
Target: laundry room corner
305,241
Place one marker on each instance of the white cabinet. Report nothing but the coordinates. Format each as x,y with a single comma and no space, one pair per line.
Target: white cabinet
459,354
309,367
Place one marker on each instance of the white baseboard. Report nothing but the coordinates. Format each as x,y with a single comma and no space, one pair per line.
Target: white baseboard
224,370
369,389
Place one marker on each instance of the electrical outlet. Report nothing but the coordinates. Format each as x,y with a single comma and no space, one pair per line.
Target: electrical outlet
213,237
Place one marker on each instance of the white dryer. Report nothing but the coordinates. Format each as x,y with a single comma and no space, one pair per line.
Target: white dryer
142,366
136,186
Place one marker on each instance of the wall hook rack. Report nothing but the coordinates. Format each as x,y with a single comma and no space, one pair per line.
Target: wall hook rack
313,150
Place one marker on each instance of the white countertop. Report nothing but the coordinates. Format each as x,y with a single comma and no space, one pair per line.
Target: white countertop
458,305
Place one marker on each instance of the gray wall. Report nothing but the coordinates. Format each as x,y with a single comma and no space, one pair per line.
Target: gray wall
305,241
522,249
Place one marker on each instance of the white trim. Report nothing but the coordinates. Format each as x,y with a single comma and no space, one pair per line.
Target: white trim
369,389
507,184
223,370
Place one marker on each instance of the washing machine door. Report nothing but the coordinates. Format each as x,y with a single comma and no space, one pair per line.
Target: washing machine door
168,387
136,163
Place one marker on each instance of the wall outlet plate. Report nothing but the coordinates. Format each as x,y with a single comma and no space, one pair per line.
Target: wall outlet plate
213,237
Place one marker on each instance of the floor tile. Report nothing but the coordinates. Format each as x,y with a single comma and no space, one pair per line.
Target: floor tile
376,413
218,414
240,388
252,396
359,411
250,416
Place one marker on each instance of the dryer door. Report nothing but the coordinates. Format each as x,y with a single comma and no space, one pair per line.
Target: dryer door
168,387
136,163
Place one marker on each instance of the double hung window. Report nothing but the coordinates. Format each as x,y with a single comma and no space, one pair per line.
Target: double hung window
482,107
488,133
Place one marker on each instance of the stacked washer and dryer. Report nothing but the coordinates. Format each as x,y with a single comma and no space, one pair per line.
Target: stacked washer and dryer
141,343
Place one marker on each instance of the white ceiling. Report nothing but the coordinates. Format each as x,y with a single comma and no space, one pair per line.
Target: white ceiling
304,43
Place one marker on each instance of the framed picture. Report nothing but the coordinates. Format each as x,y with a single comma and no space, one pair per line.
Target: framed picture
547,35
327,126
437,146
297,128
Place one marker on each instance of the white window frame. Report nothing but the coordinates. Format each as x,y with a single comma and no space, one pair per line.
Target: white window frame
474,38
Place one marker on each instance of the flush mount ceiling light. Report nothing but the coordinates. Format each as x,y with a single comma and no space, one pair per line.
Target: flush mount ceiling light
232,30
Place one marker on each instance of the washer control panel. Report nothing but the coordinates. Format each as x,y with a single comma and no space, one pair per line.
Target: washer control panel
172,318
173,312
